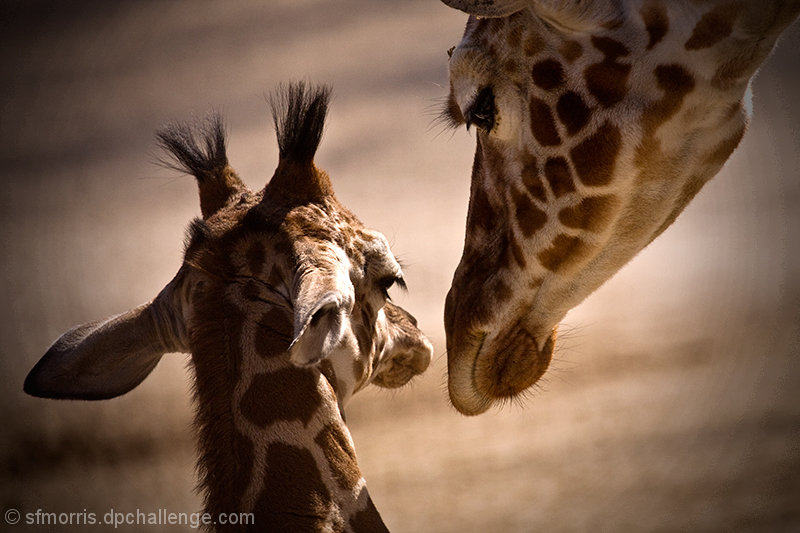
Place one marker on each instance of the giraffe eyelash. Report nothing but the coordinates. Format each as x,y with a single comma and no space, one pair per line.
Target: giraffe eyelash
388,282
446,114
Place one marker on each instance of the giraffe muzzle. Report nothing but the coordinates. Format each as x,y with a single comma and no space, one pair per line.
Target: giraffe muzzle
496,367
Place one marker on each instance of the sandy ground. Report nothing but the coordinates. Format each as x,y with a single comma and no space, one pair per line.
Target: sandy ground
672,404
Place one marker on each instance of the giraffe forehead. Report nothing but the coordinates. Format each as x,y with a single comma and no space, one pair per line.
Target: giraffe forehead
377,253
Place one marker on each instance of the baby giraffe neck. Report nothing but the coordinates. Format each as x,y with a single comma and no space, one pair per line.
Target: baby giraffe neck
272,440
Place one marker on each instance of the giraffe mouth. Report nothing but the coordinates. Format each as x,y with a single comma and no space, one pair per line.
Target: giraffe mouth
403,367
496,367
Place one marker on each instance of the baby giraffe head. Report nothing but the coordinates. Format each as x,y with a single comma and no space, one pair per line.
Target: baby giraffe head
282,300
288,262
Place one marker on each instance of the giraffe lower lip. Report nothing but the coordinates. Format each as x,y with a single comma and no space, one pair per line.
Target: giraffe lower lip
460,376
496,368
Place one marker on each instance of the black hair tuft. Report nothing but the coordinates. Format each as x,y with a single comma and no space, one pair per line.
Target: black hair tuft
197,149
299,112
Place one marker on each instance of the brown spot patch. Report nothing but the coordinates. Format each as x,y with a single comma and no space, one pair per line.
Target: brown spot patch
284,395
326,367
283,247
689,191
595,157
611,48
517,253
481,213
573,112
255,258
529,217
500,290
365,331
511,65
570,50
593,213
251,291
359,368
548,74
734,72
607,81
559,176
713,26
341,457
482,259
504,257
530,177
495,26
656,22
720,154
274,333
676,82
514,37
294,497
368,519
543,126
276,277
534,43
564,253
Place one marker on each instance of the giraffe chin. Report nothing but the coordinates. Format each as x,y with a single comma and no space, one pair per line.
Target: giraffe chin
499,367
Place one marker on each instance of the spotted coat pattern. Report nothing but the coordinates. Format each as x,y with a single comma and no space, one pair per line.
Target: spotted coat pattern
597,123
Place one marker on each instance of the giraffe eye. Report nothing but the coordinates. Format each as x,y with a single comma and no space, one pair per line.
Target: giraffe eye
384,284
482,111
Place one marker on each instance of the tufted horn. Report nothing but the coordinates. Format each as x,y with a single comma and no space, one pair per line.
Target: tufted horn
199,149
299,112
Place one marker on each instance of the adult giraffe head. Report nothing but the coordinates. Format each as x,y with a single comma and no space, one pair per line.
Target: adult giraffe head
597,122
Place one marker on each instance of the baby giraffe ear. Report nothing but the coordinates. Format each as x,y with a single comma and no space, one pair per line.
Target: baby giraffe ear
322,308
106,358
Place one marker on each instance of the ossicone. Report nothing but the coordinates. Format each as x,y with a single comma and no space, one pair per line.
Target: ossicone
299,111
199,149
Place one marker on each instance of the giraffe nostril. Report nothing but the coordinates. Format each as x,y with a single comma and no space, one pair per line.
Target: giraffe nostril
482,111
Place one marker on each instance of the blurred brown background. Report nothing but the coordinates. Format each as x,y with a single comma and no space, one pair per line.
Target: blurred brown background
672,403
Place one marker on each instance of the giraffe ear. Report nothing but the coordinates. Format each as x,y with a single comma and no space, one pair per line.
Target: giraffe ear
322,308
488,8
105,358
